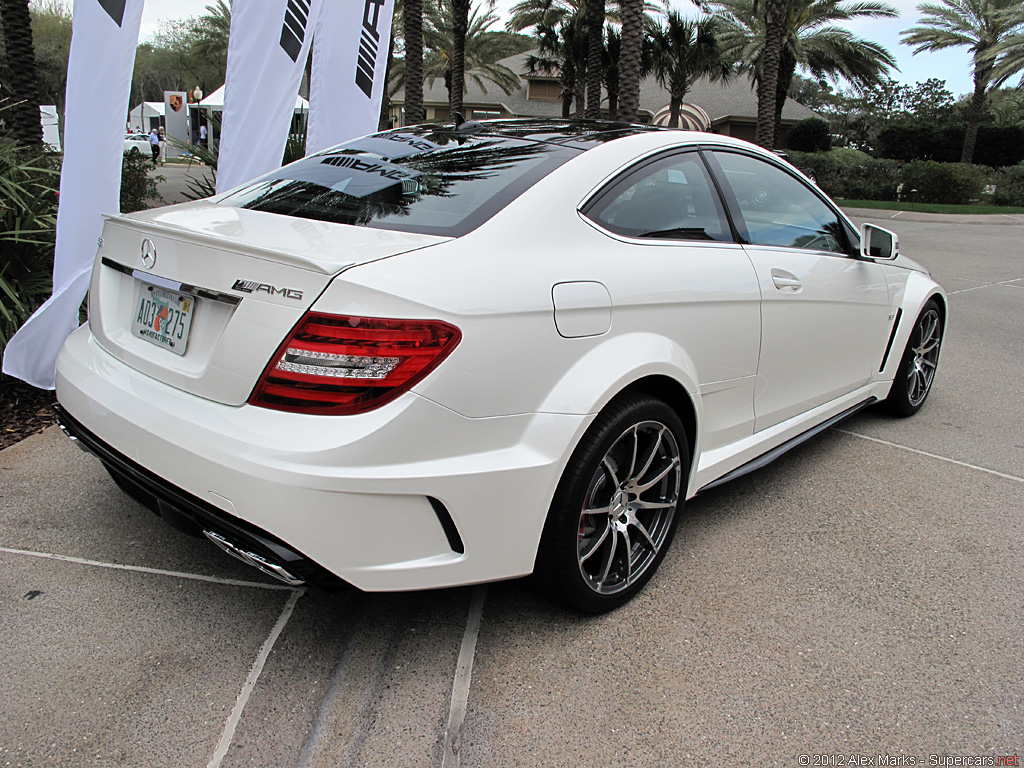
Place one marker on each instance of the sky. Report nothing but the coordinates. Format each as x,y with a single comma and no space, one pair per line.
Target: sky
953,66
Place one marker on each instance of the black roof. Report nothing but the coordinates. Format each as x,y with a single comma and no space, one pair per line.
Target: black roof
578,134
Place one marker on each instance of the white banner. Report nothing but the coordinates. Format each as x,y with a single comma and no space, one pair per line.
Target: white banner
350,59
267,53
105,35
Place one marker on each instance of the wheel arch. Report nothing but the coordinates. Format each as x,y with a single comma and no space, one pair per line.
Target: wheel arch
674,395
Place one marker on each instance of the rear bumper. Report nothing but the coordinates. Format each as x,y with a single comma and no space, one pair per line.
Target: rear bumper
383,500
194,516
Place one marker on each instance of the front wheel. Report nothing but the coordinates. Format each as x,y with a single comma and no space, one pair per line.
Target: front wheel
916,373
616,506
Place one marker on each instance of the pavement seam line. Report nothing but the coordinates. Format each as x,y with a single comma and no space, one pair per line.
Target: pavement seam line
144,569
463,677
1009,283
250,682
932,455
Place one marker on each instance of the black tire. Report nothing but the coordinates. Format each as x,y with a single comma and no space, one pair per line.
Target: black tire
636,441
916,374
134,151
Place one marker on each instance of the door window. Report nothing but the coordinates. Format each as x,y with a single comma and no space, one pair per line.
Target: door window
672,198
779,209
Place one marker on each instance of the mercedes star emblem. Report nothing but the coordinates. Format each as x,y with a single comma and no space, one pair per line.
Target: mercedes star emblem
148,253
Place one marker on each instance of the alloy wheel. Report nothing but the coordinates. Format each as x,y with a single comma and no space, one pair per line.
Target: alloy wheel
629,506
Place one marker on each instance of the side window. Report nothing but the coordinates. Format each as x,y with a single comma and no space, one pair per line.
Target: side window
672,198
777,208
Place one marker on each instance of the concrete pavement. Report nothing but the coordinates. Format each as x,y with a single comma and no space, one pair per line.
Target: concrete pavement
862,596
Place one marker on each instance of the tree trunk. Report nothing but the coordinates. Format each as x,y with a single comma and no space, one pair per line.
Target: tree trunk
787,68
460,25
629,59
974,111
23,115
412,19
775,23
595,49
580,96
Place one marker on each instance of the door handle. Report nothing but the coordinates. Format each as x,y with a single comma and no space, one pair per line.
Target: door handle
786,281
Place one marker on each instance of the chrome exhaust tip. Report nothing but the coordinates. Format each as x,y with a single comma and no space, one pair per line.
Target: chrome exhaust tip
256,561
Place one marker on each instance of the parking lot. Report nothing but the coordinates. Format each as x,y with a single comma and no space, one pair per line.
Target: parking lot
863,596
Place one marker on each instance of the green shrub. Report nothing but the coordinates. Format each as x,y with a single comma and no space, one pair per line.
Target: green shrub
996,145
28,222
810,135
926,181
851,174
137,186
1009,184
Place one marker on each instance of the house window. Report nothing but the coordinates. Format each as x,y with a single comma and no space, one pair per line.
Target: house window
486,114
543,90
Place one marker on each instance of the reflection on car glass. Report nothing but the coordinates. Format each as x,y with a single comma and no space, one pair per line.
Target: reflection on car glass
447,184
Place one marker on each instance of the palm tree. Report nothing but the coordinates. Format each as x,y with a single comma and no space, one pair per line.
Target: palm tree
23,115
460,27
811,40
483,50
685,50
412,26
775,12
595,49
630,58
563,49
570,19
213,29
982,26
610,66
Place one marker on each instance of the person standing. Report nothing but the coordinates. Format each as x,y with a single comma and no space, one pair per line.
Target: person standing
202,134
154,144
163,145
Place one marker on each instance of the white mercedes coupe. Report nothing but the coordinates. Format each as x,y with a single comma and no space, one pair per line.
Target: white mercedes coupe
445,355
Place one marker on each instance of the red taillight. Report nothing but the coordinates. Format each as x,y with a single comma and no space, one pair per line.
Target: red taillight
333,364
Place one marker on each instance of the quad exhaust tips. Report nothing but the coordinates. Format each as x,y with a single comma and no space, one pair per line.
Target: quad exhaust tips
256,561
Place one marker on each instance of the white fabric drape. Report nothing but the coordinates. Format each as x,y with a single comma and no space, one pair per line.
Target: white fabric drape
105,35
350,59
267,51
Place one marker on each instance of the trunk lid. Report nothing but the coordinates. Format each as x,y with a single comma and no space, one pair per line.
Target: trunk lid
231,283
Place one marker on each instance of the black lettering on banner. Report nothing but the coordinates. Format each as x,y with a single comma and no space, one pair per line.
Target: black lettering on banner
293,31
369,39
114,9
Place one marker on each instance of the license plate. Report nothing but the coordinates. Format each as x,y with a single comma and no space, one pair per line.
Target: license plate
163,317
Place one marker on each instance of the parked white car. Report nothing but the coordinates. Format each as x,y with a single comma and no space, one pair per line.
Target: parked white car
137,142
440,356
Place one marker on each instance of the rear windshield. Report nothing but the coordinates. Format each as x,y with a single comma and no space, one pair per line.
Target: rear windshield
431,183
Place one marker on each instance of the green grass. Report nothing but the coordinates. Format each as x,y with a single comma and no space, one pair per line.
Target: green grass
883,205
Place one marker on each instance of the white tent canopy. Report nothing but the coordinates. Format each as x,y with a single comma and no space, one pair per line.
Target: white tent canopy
215,102
140,116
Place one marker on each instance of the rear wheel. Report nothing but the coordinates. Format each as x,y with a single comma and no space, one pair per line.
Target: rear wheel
616,506
916,373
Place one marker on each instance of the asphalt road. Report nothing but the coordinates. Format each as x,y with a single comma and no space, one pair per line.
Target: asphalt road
863,596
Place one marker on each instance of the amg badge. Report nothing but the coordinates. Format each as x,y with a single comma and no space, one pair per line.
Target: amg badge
251,286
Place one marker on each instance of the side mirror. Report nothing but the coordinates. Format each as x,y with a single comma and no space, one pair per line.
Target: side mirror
878,243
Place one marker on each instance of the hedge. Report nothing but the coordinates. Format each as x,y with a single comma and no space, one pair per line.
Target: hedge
851,174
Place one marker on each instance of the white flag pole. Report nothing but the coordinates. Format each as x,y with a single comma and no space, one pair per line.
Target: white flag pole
350,59
267,52
105,34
